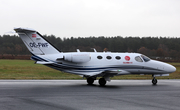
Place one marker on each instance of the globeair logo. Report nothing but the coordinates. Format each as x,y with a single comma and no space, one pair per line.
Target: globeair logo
127,58
34,45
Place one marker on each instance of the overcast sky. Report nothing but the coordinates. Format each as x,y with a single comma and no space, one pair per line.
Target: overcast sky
84,18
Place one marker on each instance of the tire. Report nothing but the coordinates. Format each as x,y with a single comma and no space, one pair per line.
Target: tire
154,81
90,80
102,82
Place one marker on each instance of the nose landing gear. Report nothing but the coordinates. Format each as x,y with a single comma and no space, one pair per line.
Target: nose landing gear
154,80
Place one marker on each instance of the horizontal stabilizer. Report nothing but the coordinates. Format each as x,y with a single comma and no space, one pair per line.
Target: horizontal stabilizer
24,30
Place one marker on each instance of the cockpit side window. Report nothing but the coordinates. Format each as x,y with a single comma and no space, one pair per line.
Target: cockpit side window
138,59
146,59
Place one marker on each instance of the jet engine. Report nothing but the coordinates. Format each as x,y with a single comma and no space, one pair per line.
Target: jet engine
77,57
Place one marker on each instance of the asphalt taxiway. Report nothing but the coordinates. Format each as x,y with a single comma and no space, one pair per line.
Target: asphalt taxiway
77,95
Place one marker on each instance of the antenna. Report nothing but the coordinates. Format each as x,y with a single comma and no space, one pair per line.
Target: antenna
94,49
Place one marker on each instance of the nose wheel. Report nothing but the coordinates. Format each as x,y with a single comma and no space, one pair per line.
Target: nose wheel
154,81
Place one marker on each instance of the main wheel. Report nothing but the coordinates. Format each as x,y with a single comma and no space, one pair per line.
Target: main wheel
90,80
154,81
102,82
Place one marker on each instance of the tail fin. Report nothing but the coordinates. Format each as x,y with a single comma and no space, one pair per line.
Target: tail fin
35,42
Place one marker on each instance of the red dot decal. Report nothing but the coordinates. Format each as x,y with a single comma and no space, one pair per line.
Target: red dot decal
127,58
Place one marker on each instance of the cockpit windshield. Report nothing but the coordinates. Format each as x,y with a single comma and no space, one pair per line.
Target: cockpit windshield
138,59
145,58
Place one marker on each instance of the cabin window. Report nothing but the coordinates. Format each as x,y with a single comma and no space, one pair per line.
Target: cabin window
146,59
138,59
99,57
108,57
118,57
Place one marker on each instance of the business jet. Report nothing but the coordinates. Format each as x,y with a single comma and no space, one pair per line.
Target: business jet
91,65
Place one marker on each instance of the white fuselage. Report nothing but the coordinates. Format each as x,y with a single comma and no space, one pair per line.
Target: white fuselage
92,63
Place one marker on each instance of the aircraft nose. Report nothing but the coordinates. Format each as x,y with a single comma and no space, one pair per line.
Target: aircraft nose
170,68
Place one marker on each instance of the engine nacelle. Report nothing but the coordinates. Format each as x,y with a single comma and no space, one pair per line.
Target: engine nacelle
77,57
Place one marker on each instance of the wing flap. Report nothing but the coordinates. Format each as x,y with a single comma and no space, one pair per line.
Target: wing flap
116,72
109,73
43,62
94,74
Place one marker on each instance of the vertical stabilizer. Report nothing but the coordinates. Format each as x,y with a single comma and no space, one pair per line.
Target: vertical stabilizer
35,42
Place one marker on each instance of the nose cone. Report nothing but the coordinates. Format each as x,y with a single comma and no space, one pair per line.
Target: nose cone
170,68
167,68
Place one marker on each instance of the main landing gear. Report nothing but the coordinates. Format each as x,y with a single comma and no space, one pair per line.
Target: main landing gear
102,81
90,80
154,80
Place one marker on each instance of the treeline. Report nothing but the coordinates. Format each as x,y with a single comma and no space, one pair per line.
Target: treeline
155,47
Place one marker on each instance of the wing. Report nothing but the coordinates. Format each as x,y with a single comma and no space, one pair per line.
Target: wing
108,73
